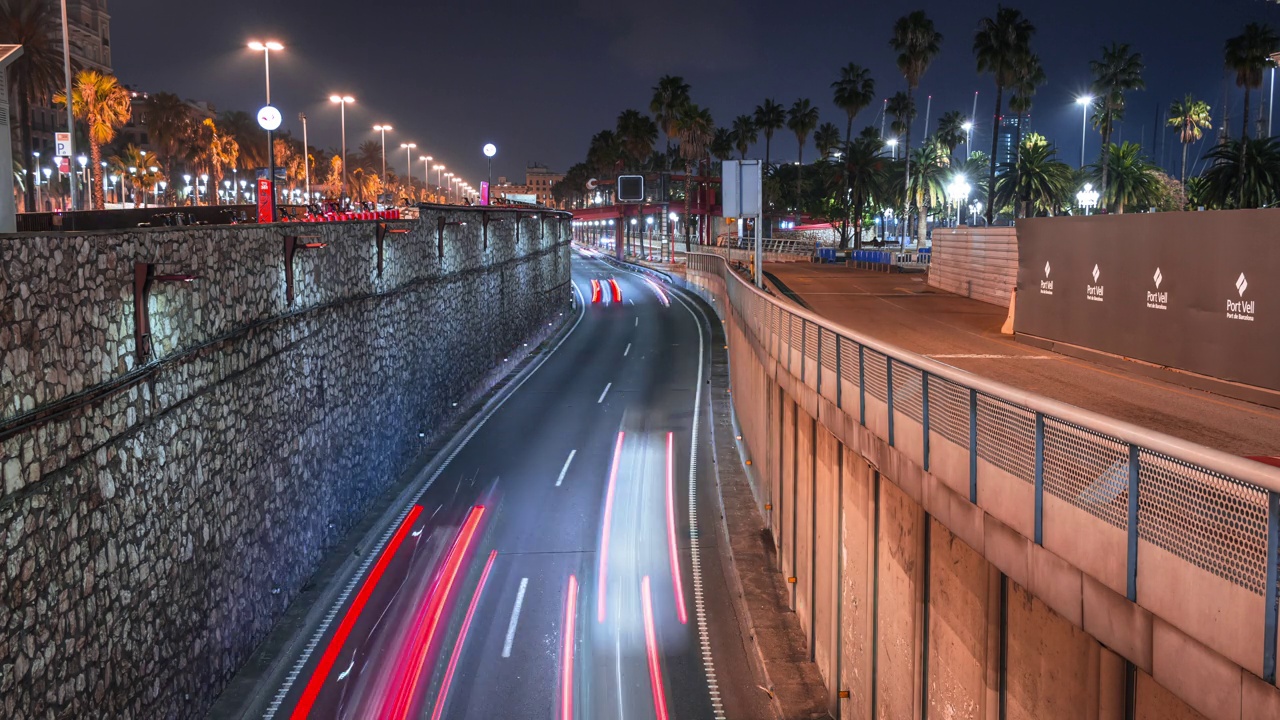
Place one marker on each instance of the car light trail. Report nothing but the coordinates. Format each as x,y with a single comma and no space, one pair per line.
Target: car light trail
399,702
443,697
671,535
617,291
651,646
662,294
566,655
595,291
331,652
604,535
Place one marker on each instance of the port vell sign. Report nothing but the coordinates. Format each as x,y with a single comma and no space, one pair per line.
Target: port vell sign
1196,291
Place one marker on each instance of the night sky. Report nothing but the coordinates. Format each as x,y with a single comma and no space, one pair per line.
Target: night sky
539,78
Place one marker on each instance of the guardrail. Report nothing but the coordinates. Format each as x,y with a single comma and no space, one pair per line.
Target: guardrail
1189,533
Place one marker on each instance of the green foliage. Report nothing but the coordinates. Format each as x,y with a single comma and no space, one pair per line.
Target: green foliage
853,92
1133,179
1243,174
1041,185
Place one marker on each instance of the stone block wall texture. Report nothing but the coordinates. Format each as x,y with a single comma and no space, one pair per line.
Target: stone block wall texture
157,519
941,609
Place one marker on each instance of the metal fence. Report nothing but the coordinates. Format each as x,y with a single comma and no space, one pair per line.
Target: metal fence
1186,515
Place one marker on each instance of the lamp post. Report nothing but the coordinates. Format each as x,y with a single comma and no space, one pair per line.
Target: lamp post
204,179
161,185
133,185
439,178
306,157
448,188
265,49
408,164
39,199
66,69
1083,101
343,100
49,171
1087,198
893,145
383,128
426,172
489,151
84,173
187,182
968,139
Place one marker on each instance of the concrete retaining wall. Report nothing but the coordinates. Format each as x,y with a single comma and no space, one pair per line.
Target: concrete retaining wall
158,517
938,602
981,263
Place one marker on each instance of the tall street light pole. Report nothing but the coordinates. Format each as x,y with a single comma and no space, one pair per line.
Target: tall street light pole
968,139
71,123
383,129
265,49
408,163
489,151
1084,103
343,100
439,178
426,171
306,157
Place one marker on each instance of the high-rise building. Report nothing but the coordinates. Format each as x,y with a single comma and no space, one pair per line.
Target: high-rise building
1008,136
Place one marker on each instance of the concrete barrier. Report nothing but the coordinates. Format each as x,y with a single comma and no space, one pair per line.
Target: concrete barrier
981,262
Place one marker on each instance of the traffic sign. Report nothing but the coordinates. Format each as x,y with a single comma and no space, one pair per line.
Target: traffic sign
62,144
269,118
64,165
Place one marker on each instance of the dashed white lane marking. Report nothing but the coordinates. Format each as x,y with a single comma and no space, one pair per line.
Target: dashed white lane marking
606,392
627,351
565,469
637,322
515,612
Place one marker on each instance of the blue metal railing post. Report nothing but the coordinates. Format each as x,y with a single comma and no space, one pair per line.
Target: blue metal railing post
818,382
1132,567
973,446
1039,479
839,374
924,415
1273,558
888,383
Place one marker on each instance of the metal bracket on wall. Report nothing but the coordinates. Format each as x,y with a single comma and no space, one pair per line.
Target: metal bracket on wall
144,275
291,246
383,229
441,224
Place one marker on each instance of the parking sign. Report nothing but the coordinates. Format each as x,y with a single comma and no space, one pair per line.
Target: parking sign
62,144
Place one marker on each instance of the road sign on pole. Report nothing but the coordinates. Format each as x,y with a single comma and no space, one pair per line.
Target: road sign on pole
744,197
62,144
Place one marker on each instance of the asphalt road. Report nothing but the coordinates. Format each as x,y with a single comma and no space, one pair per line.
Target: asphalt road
548,570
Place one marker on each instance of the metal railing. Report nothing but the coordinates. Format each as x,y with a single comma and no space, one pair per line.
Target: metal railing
1181,515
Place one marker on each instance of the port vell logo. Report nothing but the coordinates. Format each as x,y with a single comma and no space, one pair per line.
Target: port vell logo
1094,292
1046,285
1238,308
1158,299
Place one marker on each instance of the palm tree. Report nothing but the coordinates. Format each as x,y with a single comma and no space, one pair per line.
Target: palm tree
368,156
1248,55
604,153
103,105
33,24
744,134
903,110
865,172
722,144
1118,71
215,150
169,124
243,128
802,118
1042,182
853,92
951,130
917,43
670,96
769,117
1000,45
1030,75
826,138
637,133
1134,180
927,188
695,129
1240,176
1191,117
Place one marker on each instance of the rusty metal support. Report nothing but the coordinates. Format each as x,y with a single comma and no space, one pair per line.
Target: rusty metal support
291,246
383,229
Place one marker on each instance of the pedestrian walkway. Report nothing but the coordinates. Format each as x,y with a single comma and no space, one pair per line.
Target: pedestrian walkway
903,310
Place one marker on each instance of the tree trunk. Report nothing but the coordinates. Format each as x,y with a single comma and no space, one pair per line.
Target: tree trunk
799,172
857,224
1018,206
1184,165
922,231
1244,150
95,155
688,196
995,139
906,156
24,112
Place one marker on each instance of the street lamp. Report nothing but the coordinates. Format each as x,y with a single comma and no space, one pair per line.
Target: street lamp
439,169
1084,102
449,189
204,180
186,180
84,173
1087,198
968,139
408,163
383,129
49,171
893,145
426,171
269,123
489,151
958,192
343,100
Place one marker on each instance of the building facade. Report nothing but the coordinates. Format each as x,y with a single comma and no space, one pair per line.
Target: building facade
89,26
1007,138
538,181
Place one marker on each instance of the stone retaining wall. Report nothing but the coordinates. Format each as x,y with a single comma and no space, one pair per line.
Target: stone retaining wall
157,518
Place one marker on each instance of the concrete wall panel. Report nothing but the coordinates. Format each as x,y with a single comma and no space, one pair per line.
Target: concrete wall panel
1153,702
958,628
1053,667
826,572
856,560
804,526
901,545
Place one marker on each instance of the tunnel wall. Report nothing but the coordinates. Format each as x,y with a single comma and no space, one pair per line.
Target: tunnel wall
940,607
158,517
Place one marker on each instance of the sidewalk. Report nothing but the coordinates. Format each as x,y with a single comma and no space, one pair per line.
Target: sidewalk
902,310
